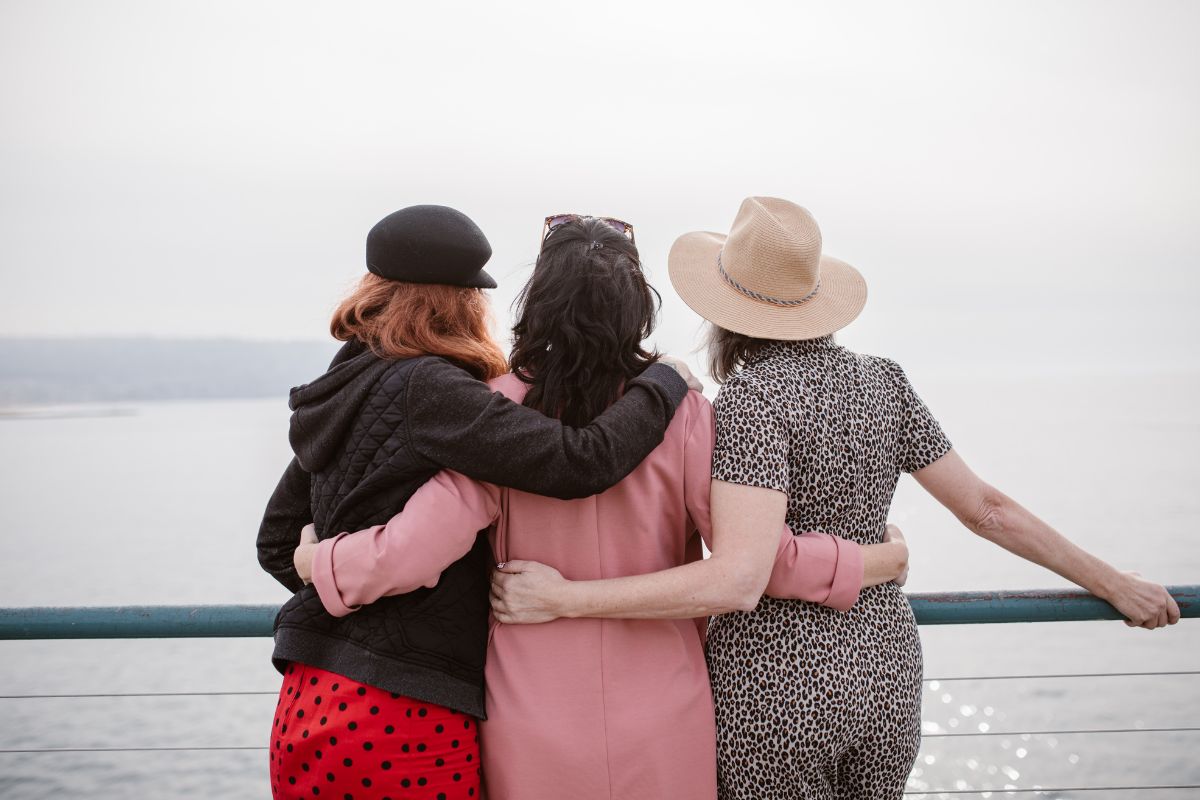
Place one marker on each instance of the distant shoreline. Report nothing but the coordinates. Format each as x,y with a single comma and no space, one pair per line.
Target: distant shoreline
45,372
14,413
39,377
106,409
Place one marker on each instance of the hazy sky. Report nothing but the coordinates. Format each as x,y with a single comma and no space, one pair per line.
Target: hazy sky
1019,181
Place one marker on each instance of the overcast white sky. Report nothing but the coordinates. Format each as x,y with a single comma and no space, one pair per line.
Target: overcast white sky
1019,181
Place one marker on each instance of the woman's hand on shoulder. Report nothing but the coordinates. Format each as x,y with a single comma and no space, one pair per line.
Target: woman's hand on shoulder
684,371
527,593
302,559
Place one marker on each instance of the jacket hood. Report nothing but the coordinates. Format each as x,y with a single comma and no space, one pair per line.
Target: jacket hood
324,410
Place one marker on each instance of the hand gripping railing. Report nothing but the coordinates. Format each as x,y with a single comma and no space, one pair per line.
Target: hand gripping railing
943,608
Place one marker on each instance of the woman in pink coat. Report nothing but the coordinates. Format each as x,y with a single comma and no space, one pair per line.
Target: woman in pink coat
598,708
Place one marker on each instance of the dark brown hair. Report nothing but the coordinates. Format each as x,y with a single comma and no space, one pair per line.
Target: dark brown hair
728,350
581,320
396,319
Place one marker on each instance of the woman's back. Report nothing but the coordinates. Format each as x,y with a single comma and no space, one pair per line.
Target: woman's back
640,523
833,429
836,429
607,707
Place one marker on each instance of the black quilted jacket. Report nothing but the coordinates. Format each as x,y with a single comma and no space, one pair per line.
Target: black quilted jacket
366,435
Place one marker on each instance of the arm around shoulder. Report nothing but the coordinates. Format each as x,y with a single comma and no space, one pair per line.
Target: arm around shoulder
731,579
459,423
437,527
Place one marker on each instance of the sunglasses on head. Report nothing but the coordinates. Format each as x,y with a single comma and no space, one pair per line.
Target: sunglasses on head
558,220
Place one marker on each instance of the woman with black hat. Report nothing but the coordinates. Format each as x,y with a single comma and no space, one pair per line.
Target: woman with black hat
384,701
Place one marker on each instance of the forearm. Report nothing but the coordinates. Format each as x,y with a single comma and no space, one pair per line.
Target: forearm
353,570
437,527
746,523
1010,525
698,589
813,567
998,518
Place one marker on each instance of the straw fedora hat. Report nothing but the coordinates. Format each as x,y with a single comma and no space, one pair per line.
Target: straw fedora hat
768,277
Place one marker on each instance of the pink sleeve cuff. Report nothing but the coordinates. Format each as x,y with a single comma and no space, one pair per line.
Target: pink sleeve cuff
847,575
322,575
818,568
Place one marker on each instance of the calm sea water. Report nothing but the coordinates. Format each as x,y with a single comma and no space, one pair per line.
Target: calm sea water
159,503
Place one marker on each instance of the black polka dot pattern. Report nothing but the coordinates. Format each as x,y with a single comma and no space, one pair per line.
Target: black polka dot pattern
378,748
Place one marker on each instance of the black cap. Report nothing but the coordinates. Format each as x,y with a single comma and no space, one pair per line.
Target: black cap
430,244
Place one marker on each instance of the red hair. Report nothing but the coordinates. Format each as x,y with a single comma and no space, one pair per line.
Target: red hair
398,320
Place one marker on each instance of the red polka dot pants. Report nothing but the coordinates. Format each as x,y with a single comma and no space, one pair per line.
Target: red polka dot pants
340,739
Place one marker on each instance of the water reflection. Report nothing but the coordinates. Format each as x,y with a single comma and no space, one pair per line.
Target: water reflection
977,766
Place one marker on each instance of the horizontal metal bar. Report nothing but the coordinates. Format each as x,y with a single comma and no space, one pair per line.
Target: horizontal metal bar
1165,673
966,608
138,622
273,692
1050,789
260,747
232,621
967,734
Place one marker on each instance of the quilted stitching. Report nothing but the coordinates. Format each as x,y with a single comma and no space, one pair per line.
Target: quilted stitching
376,472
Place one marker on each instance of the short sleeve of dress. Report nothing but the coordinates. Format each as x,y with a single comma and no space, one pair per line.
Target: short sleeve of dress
752,443
922,440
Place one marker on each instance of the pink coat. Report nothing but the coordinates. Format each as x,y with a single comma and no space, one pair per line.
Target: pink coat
607,707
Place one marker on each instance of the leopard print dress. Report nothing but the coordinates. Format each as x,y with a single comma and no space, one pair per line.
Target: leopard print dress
811,702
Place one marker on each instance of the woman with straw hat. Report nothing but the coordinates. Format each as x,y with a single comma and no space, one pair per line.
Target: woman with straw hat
811,702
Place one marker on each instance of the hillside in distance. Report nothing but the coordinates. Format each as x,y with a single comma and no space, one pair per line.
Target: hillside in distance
43,371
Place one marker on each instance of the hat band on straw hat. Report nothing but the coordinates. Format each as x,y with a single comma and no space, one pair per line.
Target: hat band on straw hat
765,298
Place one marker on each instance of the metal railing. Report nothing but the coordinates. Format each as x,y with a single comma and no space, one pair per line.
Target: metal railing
949,608
232,621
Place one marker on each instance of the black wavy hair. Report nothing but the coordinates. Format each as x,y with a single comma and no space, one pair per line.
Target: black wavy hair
581,320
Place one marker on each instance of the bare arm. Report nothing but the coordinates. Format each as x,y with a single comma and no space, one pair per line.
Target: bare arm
995,516
752,551
746,521
733,578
